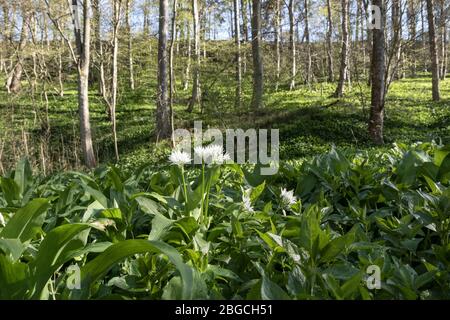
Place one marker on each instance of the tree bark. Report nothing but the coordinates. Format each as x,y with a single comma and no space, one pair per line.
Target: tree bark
196,93
329,42
344,52
309,72
130,45
15,84
163,115
258,72
292,43
115,53
83,46
237,42
412,26
378,80
278,41
433,50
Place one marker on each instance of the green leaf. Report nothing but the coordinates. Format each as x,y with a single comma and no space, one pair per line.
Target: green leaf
23,175
271,291
13,279
12,246
92,271
256,192
27,221
60,245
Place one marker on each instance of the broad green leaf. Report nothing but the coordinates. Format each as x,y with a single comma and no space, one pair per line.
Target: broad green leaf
27,221
59,246
12,246
271,291
13,279
93,270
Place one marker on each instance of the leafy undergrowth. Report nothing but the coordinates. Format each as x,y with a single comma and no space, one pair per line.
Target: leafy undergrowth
239,235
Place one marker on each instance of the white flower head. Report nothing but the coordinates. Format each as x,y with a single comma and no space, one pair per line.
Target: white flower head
212,154
287,197
179,157
2,220
247,203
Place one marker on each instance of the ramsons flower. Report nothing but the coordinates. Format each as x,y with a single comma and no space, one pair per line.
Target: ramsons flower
287,197
2,220
212,154
179,157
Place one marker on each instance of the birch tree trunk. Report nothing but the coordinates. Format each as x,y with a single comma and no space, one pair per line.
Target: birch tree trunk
292,43
130,45
278,41
433,50
329,42
237,42
196,95
258,72
344,51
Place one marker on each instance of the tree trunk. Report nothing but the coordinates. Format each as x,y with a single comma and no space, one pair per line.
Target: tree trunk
329,42
187,70
171,58
16,77
237,42
196,95
309,72
258,72
163,116
344,53
433,50
83,47
115,53
130,45
278,41
412,21
244,20
292,43
378,80
443,36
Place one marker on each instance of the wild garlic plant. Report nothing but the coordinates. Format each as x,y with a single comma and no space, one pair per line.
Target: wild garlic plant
211,157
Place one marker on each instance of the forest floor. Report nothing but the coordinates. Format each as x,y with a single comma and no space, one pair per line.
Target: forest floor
310,121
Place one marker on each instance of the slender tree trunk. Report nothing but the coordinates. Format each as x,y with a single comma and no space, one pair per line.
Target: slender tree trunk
344,52
258,72
83,47
15,84
196,95
244,20
278,41
99,48
309,72
292,43
237,42
115,53
171,63
433,50
412,26
130,45
443,36
329,42
163,116
187,70
378,80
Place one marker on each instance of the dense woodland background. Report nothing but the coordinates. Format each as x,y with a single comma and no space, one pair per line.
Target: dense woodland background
136,69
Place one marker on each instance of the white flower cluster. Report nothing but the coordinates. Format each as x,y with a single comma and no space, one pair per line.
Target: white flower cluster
212,154
179,158
2,220
287,197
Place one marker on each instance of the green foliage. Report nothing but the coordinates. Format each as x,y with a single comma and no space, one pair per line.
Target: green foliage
136,235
